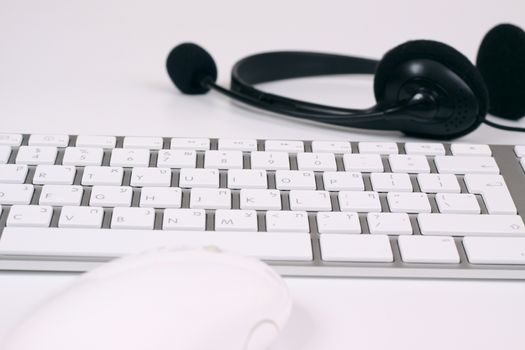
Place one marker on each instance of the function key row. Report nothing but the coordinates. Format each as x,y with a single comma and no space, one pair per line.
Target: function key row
248,145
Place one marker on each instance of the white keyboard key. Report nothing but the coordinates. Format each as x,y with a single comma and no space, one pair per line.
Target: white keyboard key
287,221
177,158
154,177
466,164
103,243
522,162
386,182
433,183
343,181
133,218
34,155
359,201
470,225
337,222
142,142
378,148
96,141
495,250
428,249
11,139
102,175
408,202
83,156
247,178
210,198
111,196
403,163
160,197
284,146
494,191
331,146
30,216
54,175
81,217
196,144
48,140
310,200
259,199
236,220
457,203
316,161
294,180
364,163
130,157
207,178
13,173
389,223
519,150
184,219
223,160
468,149
5,153
245,145
270,160
355,248
16,193
425,149
60,195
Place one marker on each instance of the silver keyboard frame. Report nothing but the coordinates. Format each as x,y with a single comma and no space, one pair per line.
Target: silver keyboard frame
504,155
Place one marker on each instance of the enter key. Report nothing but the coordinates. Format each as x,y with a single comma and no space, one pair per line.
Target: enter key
494,191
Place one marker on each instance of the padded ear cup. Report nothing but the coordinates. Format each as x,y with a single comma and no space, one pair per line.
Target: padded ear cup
435,51
501,61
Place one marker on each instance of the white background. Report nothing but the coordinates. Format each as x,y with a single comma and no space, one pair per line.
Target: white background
98,67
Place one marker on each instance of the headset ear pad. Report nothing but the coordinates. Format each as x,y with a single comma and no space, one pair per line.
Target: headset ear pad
442,54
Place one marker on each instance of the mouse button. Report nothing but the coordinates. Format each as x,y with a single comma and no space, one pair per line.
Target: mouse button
262,335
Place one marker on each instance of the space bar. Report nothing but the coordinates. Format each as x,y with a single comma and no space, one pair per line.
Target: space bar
106,243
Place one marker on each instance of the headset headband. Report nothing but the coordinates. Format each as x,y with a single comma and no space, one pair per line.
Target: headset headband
272,66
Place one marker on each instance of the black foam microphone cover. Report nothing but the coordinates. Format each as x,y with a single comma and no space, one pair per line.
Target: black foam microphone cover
188,64
501,61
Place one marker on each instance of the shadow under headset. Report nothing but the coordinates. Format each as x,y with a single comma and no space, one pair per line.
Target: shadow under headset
423,88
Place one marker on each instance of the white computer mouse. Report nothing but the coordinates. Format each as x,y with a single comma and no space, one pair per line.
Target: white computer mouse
165,299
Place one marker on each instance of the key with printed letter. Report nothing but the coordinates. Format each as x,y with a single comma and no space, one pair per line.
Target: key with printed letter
30,216
210,198
184,219
102,175
154,177
294,180
160,197
236,220
60,195
54,175
13,173
110,196
81,217
133,218
205,178
259,199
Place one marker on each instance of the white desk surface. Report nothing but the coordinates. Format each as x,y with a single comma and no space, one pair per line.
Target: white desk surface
98,67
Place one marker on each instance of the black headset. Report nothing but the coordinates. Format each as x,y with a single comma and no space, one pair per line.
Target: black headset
423,88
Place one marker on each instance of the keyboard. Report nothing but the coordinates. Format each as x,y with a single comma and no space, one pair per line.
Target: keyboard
308,208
